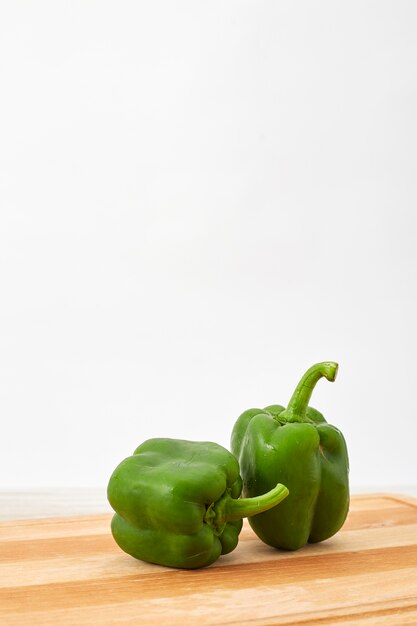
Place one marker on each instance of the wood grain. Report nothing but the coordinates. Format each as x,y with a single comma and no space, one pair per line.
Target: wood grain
69,571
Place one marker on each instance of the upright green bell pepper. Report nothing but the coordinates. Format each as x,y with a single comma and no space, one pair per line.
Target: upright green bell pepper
297,447
177,503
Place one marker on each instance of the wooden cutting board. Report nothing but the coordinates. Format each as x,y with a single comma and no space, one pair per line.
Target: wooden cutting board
69,571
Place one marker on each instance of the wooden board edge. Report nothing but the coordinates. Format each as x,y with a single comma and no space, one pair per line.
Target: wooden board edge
399,497
56,519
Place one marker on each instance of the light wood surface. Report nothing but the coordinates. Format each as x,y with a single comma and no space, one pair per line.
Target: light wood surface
69,571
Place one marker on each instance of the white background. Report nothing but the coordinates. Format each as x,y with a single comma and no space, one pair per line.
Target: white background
199,200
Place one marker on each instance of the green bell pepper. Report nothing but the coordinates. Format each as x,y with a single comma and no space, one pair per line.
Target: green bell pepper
297,447
177,503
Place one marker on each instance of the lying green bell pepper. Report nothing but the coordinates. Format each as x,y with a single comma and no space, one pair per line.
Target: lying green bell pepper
297,447
177,503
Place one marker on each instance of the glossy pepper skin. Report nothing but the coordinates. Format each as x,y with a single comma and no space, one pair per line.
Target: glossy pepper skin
177,503
295,446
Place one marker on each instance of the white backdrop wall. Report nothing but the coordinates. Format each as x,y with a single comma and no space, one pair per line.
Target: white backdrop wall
199,200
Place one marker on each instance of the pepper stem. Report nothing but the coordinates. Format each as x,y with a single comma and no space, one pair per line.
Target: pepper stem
229,509
235,509
297,406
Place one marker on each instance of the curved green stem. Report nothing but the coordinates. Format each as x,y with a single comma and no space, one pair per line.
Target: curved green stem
235,509
229,509
297,406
